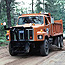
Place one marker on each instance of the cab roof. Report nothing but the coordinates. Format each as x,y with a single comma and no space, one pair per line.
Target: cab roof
35,14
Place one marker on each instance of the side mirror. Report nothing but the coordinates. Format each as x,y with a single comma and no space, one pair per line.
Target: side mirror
3,23
52,20
5,26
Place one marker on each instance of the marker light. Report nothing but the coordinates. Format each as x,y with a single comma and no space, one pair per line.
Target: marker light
41,30
7,31
30,24
33,24
40,12
1,23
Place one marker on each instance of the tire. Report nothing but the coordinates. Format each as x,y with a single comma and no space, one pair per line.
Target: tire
61,41
58,43
44,48
11,51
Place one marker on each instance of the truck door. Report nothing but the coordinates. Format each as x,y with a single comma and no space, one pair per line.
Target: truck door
47,26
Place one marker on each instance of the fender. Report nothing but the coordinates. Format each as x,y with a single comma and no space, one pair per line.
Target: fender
44,34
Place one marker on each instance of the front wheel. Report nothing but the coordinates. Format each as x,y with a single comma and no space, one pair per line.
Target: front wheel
11,51
44,48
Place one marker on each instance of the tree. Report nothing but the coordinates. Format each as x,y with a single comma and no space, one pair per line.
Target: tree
8,2
10,5
0,8
32,6
3,16
38,7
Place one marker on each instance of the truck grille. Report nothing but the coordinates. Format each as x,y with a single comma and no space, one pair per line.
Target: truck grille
22,35
29,34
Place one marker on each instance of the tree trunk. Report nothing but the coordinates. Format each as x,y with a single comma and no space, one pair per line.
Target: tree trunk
0,10
32,6
8,12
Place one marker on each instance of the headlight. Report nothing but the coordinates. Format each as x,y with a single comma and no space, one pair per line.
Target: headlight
7,31
7,37
40,37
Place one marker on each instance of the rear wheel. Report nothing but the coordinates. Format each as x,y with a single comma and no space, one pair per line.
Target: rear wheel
59,46
44,48
61,41
11,51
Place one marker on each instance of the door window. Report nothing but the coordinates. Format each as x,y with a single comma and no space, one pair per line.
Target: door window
46,21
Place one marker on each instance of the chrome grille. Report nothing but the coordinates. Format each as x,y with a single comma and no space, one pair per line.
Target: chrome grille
30,32
21,34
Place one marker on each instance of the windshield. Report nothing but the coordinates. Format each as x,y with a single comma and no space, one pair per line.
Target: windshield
32,19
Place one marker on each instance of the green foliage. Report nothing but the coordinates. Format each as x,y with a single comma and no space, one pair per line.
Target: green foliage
38,8
3,17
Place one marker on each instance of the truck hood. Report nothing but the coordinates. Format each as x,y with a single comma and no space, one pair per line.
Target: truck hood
28,25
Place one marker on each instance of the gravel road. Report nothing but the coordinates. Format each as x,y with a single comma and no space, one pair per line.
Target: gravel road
55,57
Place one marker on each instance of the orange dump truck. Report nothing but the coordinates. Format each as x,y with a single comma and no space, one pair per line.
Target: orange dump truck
34,32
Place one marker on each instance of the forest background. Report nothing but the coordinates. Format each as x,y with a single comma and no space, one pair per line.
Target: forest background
11,9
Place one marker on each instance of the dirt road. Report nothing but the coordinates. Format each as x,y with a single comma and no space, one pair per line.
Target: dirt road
55,57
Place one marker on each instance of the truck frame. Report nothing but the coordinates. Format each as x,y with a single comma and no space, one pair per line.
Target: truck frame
34,32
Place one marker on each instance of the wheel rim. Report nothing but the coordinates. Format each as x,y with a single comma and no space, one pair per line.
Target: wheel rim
46,47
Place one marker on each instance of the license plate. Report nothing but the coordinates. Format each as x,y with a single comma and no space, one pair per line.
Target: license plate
21,31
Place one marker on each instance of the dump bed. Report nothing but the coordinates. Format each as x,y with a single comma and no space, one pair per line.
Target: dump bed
57,28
